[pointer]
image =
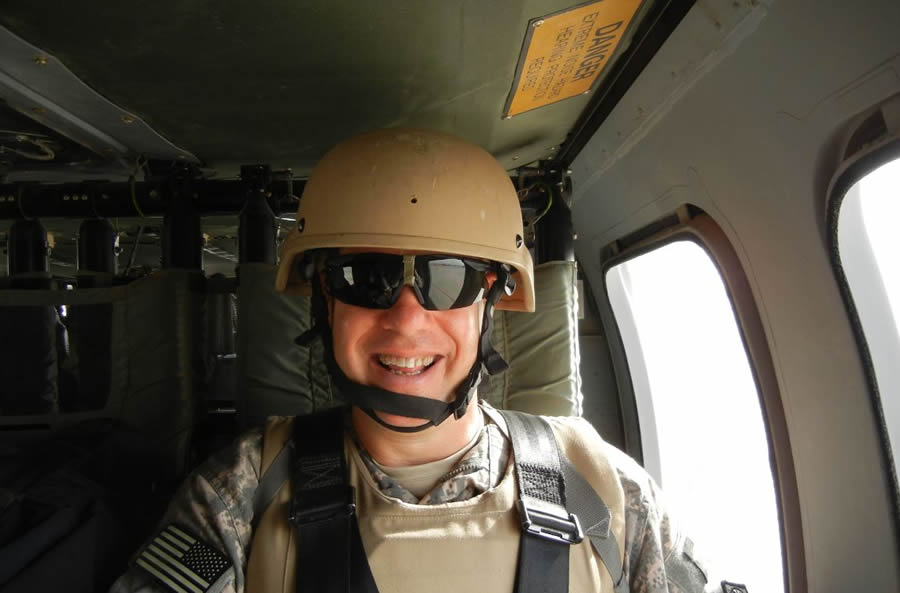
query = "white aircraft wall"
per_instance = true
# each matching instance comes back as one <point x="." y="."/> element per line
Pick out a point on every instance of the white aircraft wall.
<point x="742" y="113"/>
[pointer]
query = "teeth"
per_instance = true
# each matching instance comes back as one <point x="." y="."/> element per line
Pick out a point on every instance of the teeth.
<point x="406" y="373"/>
<point x="406" y="363"/>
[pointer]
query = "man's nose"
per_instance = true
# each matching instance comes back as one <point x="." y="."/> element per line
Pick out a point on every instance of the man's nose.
<point x="406" y="313"/>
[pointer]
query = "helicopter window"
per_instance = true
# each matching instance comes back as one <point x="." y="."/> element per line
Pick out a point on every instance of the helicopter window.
<point x="701" y="425"/>
<point x="868" y="245"/>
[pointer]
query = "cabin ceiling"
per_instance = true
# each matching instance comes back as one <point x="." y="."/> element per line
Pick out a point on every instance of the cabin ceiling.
<point x="95" y="87"/>
<point x="280" y="82"/>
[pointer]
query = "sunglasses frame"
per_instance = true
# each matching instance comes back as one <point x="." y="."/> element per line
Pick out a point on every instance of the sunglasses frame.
<point x="334" y="263"/>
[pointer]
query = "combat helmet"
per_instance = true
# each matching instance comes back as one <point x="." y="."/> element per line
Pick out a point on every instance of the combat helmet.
<point x="417" y="191"/>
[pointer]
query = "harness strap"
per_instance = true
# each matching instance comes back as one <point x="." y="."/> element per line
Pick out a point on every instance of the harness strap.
<point x="584" y="502"/>
<point x="271" y="482"/>
<point x="323" y="512"/>
<point x="548" y="529"/>
<point x="561" y="513"/>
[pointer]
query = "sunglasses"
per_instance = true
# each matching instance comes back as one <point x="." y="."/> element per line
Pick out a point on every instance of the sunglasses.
<point x="375" y="280"/>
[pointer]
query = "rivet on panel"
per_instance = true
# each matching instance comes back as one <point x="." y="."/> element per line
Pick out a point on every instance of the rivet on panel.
<point x="41" y="60"/>
<point x="127" y="119"/>
<point x="538" y="23"/>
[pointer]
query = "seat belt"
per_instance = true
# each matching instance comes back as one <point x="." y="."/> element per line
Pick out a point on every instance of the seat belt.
<point x="555" y="501"/>
<point x="323" y="510"/>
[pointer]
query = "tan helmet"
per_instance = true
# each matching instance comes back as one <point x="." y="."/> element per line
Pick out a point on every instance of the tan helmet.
<point x="416" y="190"/>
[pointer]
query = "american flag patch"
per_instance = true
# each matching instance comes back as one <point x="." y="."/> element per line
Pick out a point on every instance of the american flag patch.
<point x="182" y="562"/>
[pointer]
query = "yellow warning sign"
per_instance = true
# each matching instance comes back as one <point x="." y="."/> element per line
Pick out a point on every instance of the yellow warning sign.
<point x="564" y="53"/>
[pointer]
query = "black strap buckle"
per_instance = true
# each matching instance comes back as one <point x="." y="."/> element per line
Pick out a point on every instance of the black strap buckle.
<point x="556" y="527"/>
<point x="323" y="506"/>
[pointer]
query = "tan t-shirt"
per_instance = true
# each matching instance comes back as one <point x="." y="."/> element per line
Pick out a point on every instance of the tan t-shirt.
<point x="420" y="479"/>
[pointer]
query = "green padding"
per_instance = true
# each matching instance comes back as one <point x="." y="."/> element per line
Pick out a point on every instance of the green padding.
<point x="164" y="329"/>
<point x="274" y="373"/>
<point x="157" y="328"/>
<point x="541" y="348"/>
<point x="275" y="376"/>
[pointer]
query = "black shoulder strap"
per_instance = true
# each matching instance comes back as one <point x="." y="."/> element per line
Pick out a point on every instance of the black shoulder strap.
<point x="555" y="501"/>
<point x="331" y="558"/>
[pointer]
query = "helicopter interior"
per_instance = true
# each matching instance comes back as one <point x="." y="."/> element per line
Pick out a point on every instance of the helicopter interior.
<point x="152" y="157"/>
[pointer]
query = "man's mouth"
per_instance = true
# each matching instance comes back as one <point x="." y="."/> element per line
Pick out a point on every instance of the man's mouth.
<point x="405" y="367"/>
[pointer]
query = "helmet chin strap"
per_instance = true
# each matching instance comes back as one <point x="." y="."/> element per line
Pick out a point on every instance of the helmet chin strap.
<point x="373" y="399"/>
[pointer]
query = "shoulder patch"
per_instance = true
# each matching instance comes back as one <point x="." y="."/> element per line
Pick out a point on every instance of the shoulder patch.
<point x="689" y="552"/>
<point x="183" y="563"/>
<point x="684" y="570"/>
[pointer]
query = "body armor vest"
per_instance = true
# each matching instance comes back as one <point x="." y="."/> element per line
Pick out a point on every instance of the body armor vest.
<point x="469" y="545"/>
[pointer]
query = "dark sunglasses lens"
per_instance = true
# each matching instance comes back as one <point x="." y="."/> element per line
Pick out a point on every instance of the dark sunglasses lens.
<point x="447" y="283"/>
<point x="367" y="281"/>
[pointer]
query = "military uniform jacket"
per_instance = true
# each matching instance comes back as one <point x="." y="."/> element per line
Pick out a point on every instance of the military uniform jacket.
<point x="216" y="504"/>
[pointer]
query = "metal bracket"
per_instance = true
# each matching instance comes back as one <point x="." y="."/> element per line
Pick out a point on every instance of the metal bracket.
<point x="563" y="527"/>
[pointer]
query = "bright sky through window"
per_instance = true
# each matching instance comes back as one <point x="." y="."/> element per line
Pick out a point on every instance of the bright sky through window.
<point x="869" y="245"/>
<point x="880" y="194"/>
<point x="713" y="450"/>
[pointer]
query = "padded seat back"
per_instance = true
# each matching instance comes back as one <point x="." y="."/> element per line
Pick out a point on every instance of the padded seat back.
<point x="83" y="480"/>
<point x="277" y="377"/>
<point x="125" y="358"/>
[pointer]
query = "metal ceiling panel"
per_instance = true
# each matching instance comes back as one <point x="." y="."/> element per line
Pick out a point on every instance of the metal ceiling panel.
<point x="281" y="82"/>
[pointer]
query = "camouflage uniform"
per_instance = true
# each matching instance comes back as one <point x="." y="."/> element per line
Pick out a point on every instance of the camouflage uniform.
<point x="216" y="504"/>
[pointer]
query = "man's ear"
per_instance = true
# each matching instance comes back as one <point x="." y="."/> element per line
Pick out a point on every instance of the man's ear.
<point x="489" y="279"/>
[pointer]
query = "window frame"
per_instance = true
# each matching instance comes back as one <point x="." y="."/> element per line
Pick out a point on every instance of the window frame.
<point x="851" y="170"/>
<point x="706" y="233"/>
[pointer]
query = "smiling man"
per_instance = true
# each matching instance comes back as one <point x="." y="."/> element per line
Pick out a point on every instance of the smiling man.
<point x="406" y="349"/>
<point x="408" y="241"/>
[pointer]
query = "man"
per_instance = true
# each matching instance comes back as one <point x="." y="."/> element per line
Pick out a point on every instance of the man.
<point x="408" y="241"/>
